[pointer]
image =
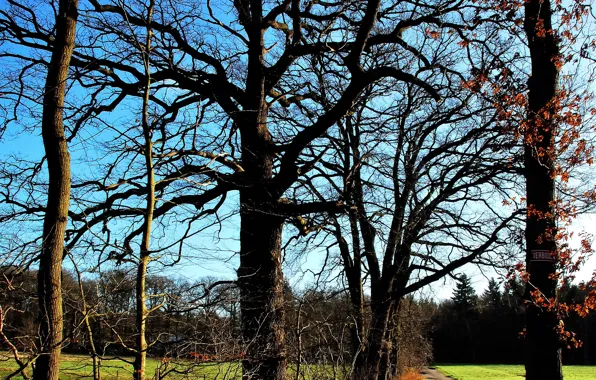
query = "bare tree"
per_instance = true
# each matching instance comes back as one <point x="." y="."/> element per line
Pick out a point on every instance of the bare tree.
<point x="144" y="256"/>
<point x="269" y="157"/>
<point x="47" y="365"/>
<point x="424" y="183"/>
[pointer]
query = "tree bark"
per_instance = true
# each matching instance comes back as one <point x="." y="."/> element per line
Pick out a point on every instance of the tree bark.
<point x="141" y="319"/>
<point x="395" y="349"/>
<point x="260" y="277"/>
<point x="260" y="280"/>
<point x="388" y="360"/>
<point x="357" y="309"/>
<point x="353" y="272"/>
<point x="543" y="352"/>
<point x="141" y="296"/>
<point x="372" y="367"/>
<point x="49" y="287"/>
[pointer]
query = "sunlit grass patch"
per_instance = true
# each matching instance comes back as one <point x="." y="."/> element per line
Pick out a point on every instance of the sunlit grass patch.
<point x="81" y="367"/>
<point x="508" y="372"/>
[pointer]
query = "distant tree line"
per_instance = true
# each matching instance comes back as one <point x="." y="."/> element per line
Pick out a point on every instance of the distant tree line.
<point x="489" y="328"/>
<point x="191" y="325"/>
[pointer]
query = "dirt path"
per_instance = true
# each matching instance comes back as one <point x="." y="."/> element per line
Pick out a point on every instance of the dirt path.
<point x="433" y="374"/>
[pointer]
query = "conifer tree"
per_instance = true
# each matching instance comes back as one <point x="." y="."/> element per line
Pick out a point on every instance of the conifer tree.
<point x="464" y="295"/>
<point x="492" y="295"/>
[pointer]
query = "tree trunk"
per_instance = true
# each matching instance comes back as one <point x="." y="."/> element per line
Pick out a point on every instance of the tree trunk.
<point x="543" y="355"/>
<point x="141" y="320"/>
<point x="376" y="345"/>
<point x="141" y="310"/>
<point x="260" y="276"/>
<point x="388" y="361"/>
<point x="141" y="296"/>
<point x="261" y="298"/>
<point x="357" y="327"/>
<point x="49" y="287"/>
<point x="394" y="355"/>
<point x="386" y="350"/>
<point x="353" y="272"/>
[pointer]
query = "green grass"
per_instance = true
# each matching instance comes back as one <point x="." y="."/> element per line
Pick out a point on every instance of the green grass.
<point x="80" y="367"/>
<point x="508" y="372"/>
<point x="74" y="367"/>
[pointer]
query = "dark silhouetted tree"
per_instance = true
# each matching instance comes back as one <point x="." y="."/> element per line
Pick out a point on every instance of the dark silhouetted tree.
<point x="464" y="296"/>
<point x="543" y="360"/>
<point x="49" y="287"/>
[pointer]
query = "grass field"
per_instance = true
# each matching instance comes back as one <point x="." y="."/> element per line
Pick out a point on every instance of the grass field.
<point x="80" y="367"/>
<point x="508" y="372"/>
<point x="74" y="367"/>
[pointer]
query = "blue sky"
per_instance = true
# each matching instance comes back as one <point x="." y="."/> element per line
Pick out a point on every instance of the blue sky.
<point x="215" y="252"/>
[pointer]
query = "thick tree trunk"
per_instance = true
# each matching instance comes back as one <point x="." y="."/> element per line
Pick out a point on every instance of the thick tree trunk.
<point x="376" y="344"/>
<point x="382" y="344"/>
<point x="543" y="356"/>
<point x="260" y="280"/>
<point x="260" y="276"/>
<point x="47" y="366"/>
<point x="388" y="361"/>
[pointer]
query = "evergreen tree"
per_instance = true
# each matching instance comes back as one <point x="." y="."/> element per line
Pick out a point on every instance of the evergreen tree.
<point x="464" y="295"/>
<point x="492" y="297"/>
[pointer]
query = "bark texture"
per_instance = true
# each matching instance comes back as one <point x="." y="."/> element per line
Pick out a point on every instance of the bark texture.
<point x="374" y="367"/>
<point x="260" y="276"/>
<point x="543" y="356"/>
<point x="144" y="257"/>
<point x="47" y="366"/>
